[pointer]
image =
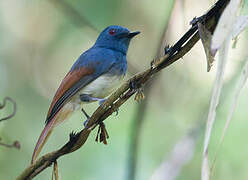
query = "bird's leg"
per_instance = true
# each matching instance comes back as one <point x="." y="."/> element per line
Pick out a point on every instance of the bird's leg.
<point x="87" y="116"/>
<point x="88" y="98"/>
<point x="102" y="132"/>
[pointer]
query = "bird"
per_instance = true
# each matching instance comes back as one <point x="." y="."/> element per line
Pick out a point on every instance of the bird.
<point x="94" y="75"/>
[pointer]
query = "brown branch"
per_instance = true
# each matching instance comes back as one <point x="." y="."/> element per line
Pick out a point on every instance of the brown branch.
<point x="122" y="94"/>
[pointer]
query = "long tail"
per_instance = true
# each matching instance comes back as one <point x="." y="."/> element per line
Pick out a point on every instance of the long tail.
<point x="61" y="116"/>
<point x="42" y="140"/>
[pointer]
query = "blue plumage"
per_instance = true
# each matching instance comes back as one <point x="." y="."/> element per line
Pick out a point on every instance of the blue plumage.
<point x="111" y="47"/>
<point x="92" y="77"/>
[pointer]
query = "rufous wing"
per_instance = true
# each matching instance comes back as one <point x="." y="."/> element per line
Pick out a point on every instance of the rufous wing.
<point x="61" y="111"/>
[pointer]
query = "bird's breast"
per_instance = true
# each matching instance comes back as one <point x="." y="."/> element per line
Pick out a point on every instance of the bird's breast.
<point x="103" y="85"/>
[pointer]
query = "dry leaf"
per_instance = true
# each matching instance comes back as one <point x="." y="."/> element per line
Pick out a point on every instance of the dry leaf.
<point x="206" y="37"/>
<point x="237" y="92"/>
<point x="240" y="24"/>
<point x="205" y="169"/>
<point x="213" y="105"/>
<point x="225" y="25"/>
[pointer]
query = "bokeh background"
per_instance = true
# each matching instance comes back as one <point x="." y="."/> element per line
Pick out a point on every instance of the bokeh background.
<point x="40" y="40"/>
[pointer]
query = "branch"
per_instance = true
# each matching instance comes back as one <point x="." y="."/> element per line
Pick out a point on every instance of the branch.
<point x="122" y="94"/>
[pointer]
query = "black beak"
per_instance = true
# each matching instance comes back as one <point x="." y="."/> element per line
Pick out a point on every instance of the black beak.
<point x="132" y="34"/>
<point x="128" y="35"/>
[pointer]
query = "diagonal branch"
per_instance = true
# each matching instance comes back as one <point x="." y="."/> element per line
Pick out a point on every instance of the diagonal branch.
<point x="122" y="94"/>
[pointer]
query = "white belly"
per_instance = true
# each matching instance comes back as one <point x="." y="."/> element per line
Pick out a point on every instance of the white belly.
<point x="99" y="88"/>
<point x="102" y="86"/>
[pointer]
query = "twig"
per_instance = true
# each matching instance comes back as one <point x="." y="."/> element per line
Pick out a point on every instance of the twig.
<point x="15" y="144"/>
<point x="3" y="105"/>
<point x="122" y="94"/>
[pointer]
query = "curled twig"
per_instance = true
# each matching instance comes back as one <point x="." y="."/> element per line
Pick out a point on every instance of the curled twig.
<point x="4" y="104"/>
<point x="15" y="144"/>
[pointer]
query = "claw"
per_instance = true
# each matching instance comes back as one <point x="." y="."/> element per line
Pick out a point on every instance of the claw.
<point x="117" y="112"/>
<point x="139" y="96"/>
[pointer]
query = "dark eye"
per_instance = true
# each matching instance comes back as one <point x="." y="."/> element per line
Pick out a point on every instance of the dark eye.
<point x="112" y="32"/>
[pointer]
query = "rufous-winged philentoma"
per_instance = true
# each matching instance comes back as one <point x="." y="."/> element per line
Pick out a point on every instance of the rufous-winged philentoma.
<point x="95" y="74"/>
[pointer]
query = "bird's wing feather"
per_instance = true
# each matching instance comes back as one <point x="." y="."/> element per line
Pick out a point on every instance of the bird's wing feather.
<point x="65" y="88"/>
<point x="79" y="76"/>
<point x="76" y="79"/>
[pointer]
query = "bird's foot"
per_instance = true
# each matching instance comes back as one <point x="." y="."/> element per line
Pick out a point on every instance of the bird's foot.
<point x="139" y="96"/>
<point x="73" y="136"/>
<point x="101" y="101"/>
<point x="200" y="19"/>
<point x="86" y="122"/>
<point x="117" y="112"/>
<point x="102" y="134"/>
<point x="138" y="88"/>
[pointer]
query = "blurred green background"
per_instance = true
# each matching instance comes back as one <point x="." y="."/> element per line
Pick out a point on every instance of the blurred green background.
<point x="40" y="40"/>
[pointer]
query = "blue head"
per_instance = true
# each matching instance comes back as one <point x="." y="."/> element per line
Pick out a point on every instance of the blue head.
<point x="116" y="38"/>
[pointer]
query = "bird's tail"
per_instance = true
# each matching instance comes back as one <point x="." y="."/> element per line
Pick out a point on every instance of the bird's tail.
<point x="42" y="140"/>
<point x="61" y="116"/>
